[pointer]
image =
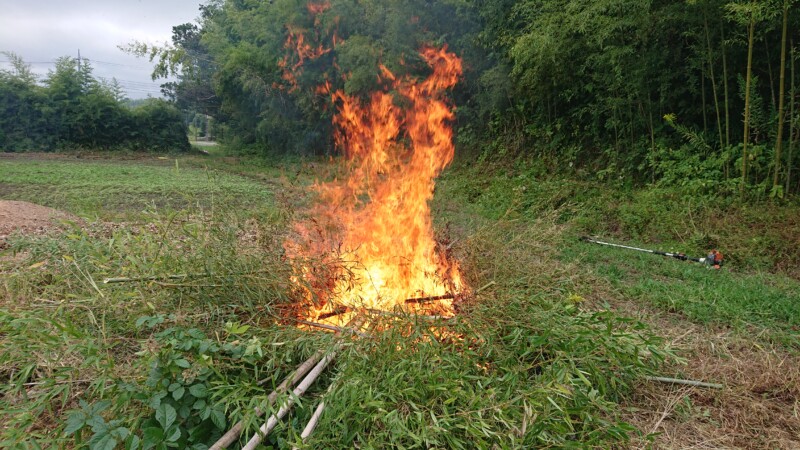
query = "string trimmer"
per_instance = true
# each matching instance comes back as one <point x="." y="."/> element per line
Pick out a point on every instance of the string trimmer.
<point x="714" y="258"/>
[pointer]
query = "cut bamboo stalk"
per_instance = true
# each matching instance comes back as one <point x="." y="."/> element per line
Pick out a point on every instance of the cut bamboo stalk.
<point x="297" y="393"/>
<point x="332" y="328"/>
<point x="486" y="286"/>
<point x="686" y="382"/>
<point x="153" y="278"/>
<point x="298" y="374"/>
<point x="179" y="276"/>
<point x="430" y="299"/>
<point x="312" y="423"/>
<point x="338" y="311"/>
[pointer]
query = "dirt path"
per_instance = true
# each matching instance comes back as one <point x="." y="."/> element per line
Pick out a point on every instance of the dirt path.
<point x="28" y="218"/>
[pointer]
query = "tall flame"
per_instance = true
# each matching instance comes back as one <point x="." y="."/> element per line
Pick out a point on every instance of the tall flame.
<point x="369" y="242"/>
<point x="377" y="219"/>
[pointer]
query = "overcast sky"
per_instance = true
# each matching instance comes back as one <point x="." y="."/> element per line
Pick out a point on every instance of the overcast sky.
<point x="40" y="31"/>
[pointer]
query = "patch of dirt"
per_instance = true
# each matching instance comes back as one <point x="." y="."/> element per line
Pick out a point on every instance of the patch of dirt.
<point x="29" y="218"/>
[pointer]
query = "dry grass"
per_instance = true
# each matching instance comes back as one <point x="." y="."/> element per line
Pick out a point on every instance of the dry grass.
<point x="758" y="408"/>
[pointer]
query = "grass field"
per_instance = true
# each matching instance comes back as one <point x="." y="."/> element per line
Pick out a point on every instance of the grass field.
<point x="555" y="353"/>
<point x="112" y="190"/>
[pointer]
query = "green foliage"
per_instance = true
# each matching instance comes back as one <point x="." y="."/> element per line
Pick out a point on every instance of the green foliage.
<point x="173" y="364"/>
<point x="73" y="109"/>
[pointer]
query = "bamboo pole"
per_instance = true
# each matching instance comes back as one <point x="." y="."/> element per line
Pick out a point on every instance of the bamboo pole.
<point x="686" y="382"/>
<point x="312" y="423"/>
<point x="298" y="374"/>
<point x="297" y="393"/>
<point x="792" y="120"/>
<point x="302" y="372"/>
<point x="713" y="80"/>
<point x="748" y="81"/>
<point x="781" y="92"/>
<point x="430" y="299"/>
<point x="332" y="328"/>
<point x="180" y="276"/>
<point x="153" y="278"/>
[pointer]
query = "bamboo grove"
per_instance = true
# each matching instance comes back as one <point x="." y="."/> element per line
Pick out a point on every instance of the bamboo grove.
<point x="71" y="108"/>
<point x="701" y="94"/>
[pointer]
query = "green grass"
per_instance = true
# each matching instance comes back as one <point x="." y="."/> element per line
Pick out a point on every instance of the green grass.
<point x="757" y="293"/>
<point x="90" y="365"/>
<point x="112" y="190"/>
<point x="525" y="365"/>
<point x="762" y="305"/>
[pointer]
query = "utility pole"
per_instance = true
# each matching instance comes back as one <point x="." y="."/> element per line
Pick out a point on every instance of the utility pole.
<point x="79" y="59"/>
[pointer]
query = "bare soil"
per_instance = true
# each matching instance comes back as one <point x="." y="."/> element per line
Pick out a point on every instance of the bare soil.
<point x="29" y="218"/>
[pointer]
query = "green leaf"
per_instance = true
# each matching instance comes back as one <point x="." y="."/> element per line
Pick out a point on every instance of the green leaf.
<point x="132" y="443"/>
<point x="182" y="363"/>
<point x="218" y="417"/>
<point x="173" y="434"/>
<point x="198" y="390"/>
<point x="106" y="442"/>
<point x="166" y="415"/>
<point x="152" y="437"/>
<point x="177" y="394"/>
<point x="75" y="421"/>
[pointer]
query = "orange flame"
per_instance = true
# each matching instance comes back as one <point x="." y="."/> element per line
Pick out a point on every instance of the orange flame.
<point x="376" y="221"/>
<point x="297" y="45"/>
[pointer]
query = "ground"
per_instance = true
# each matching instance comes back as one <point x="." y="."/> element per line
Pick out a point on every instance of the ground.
<point x="28" y="218"/>
<point x="564" y="324"/>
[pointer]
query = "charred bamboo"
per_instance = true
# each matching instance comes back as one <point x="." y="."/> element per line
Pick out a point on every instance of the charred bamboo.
<point x="431" y="299"/>
<point x="338" y="311"/>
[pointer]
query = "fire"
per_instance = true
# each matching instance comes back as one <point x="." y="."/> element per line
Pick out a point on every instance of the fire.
<point x="369" y="240"/>
<point x="297" y="46"/>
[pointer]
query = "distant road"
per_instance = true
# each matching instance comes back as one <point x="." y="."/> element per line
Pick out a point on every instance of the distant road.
<point x="203" y="143"/>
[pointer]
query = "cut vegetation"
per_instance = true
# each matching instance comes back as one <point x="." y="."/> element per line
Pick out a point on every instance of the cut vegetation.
<point x="555" y="351"/>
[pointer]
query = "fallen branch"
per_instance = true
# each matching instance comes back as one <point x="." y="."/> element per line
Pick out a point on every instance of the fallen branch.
<point x="431" y="299"/>
<point x="298" y="391"/>
<point x="686" y="382"/>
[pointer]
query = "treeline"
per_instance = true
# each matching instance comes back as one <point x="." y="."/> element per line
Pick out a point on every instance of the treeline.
<point x="701" y="94"/>
<point x="72" y="109"/>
